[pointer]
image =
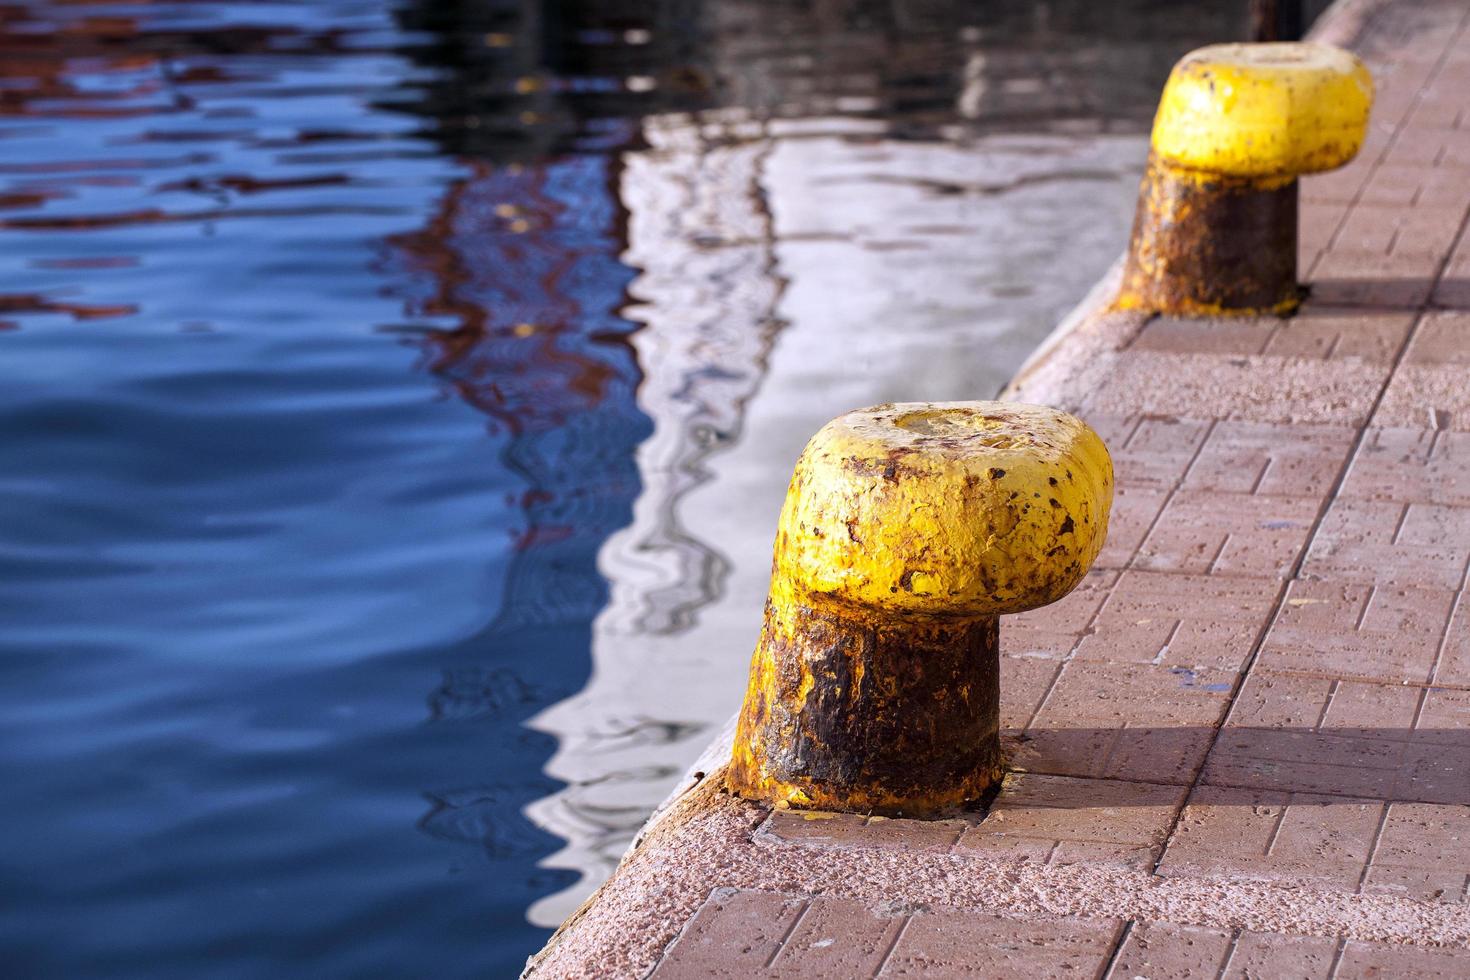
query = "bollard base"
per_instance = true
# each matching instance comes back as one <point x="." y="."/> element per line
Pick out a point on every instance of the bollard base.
<point x="1208" y="245"/>
<point x="898" y="719"/>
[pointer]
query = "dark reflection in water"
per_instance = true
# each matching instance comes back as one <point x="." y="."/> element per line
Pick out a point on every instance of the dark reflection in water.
<point x="341" y="344"/>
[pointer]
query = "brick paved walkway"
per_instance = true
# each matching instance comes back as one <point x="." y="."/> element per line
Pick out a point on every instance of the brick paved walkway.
<point x="1242" y="746"/>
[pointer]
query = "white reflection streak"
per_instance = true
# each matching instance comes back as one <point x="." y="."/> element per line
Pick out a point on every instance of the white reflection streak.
<point x="699" y="230"/>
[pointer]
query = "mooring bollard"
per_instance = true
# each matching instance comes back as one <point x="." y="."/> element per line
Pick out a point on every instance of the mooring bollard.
<point x="907" y="531"/>
<point x="1216" y="226"/>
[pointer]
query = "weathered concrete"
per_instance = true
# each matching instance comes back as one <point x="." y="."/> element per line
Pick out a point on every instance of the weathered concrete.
<point x="1242" y="746"/>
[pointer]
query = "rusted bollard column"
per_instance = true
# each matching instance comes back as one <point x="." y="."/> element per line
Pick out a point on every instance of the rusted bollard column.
<point x="907" y="530"/>
<point x="1216" y="226"/>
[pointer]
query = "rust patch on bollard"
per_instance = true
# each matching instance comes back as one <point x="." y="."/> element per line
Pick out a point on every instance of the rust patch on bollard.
<point x="900" y="719"/>
<point x="1207" y="244"/>
<point x="907" y="531"/>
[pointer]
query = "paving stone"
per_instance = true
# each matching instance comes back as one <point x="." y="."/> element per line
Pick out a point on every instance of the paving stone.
<point x="1165" y="951"/>
<point x="1372" y="961"/>
<point x="955" y="944"/>
<point x="1053" y="631"/>
<point x="1125" y="721"/>
<point x="1206" y="532"/>
<point x="734" y="934"/>
<point x="1183" y="335"/>
<point x="1372" y="279"/>
<point x="837" y="938"/>
<point x="1382" y="542"/>
<point x="1411" y="465"/>
<point x="1152" y="451"/>
<point x="1263" y="955"/>
<point x="1063" y="820"/>
<point x="823" y="829"/>
<point x="1025" y="680"/>
<point x="1314" y="334"/>
<point x="1423" y="852"/>
<point x="1427" y="232"/>
<point x="1416" y="185"/>
<point x="1454" y="658"/>
<point x="1179" y="620"/>
<point x="1379" y="632"/>
<point x="1325" y="333"/>
<point x="1290" y="733"/>
<point x="1336" y="186"/>
<point x="1134" y="511"/>
<point x="1233" y="832"/>
<point x="1442" y="337"/>
<point x="1271" y="458"/>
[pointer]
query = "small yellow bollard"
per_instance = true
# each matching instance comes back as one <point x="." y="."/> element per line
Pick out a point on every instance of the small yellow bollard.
<point x="1216" y="226"/>
<point x="907" y="531"/>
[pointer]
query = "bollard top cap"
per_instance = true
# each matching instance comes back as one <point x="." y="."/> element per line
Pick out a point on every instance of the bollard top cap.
<point x="945" y="509"/>
<point x="1264" y="110"/>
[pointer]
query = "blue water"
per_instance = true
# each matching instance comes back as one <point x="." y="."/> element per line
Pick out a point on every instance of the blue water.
<point x="316" y="406"/>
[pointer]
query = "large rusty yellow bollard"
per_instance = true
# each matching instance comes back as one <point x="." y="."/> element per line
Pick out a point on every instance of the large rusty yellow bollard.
<point x="1216" y="226"/>
<point x="907" y="530"/>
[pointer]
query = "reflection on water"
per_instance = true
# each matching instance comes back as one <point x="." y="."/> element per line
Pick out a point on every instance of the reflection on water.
<point x="397" y="398"/>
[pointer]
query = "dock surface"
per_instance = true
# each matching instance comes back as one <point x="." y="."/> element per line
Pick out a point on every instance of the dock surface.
<point x="1241" y="748"/>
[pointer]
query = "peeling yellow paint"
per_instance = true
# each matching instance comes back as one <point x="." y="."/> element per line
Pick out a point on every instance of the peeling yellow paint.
<point x="1264" y="110"/>
<point x="963" y="509"/>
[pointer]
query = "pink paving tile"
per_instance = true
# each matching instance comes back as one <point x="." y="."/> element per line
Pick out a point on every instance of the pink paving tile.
<point x="1053" y="631"/>
<point x="1373" y="961"/>
<point x="733" y="934"/>
<point x="1179" y="620"/>
<point x="822" y="829"/>
<point x="1336" y="186"/>
<point x="1260" y="955"/>
<point x="1452" y="291"/>
<point x="1454" y="658"/>
<point x="764" y="934"/>
<point x="1064" y="820"/>
<point x="1134" y="511"/>
<point x="1165" y="951"/>
<point x="1411" y="466"/>
<point x="1342" y="278"/>
<point x="1417" y="185"/>
<point x="1292" y="733"/>
<point x="1382" y="542"/>
<point x="837" y="938"/>
<point x="1398" y="230"/>
<point x="1259" y="834"/>
<point x="1271" y="458"/>
<point x="1246" y="335"/>
<point x="1125" y="721"/>
<point x="1320" y="332"/>
<point x="1024" y="682"/>
<point x="1345" y="630"/>
<point x="1423" y="853"/>
<point x="1157" y="451"/>
<point x="958" y="944"/>
<point x="1316" y="333"/>
<point x="1443" y="337"/>
<point x="1205" y="532"/>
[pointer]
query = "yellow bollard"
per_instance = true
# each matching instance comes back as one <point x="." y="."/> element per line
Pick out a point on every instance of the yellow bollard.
<point x="1216" y="226"/>
<point x="907" y="530"/>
